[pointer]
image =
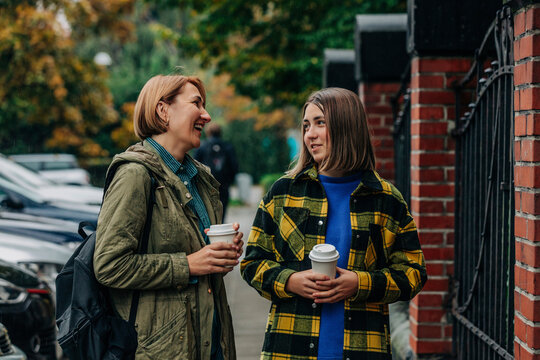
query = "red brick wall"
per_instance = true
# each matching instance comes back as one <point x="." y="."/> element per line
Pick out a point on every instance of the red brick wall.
<point x="376" y="98"/>
<point x="432" y="196"/>
<point x="527" y="182"/>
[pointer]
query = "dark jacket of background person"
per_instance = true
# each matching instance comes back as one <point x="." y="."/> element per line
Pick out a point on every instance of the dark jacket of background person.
<point x="220" y="157"/>
<point x="385" y="254"/>
<point x="174" y="317"/>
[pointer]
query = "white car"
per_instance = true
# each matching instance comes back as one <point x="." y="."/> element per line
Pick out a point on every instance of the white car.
<point x="49" y="191"/>
<point x="44" y="258"/>
<point x="59" y="168"/>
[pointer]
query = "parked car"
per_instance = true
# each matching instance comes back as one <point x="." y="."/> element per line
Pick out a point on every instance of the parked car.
<point x="44" y="258"/>
<point x="48" y="190"/>
<point x="17" y="199"/>
<point x="27" y="311"/>
<point x="60" y="232"/>
<point x="8" y="351"/>
<point x="60" y="168"/>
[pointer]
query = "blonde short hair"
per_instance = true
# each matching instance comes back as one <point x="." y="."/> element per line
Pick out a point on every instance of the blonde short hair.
<point x="146" y="121"/>
<point x="350" y="142"/>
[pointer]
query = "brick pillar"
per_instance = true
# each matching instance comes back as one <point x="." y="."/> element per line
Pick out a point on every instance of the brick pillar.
<point x="527" y="182"/>
<point x="378" y="70"/>
<point x="432" y="196"/>
<point x="376" y="99"/>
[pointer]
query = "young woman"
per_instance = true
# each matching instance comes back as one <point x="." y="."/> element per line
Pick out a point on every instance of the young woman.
<point x="183" y="311"/>
<point x="333" y="195"/>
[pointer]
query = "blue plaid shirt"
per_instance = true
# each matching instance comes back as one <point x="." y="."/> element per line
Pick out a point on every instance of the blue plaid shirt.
<point x="186" y="172"/>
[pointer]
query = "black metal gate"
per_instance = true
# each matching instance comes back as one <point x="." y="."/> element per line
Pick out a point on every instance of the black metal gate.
<point x="483" y="296"/>
<point x="401" y="107"/>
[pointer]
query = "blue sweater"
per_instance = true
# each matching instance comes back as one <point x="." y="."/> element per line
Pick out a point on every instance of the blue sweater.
<point x="338" y="233"/>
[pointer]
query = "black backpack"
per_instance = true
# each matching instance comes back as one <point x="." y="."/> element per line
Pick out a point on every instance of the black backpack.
<point x="88" y="326"/>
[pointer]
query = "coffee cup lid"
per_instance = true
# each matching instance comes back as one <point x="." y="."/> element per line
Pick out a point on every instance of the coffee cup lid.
<point x="324" y="253"/>
<point x="221" y="229"/>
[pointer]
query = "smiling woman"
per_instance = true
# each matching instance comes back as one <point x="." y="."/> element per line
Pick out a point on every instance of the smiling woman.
<point x="182" y="310"/>
<point x="185" y="117"/>
<point x="334" y="196"/>
<point x="316" y="134"/>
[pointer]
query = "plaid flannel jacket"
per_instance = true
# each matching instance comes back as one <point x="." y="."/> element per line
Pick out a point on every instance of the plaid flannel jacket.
<point x="385" y="254"/>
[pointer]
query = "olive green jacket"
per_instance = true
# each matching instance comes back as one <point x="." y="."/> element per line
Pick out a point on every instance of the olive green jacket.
<point x="174" y="317"/>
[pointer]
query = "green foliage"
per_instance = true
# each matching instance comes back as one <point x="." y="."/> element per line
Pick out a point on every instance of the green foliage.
<point x="152" y="50"/>
<point x="97" y="168"/>
<point x="273" y="49"/>
<point x="269" y="179"/>
<point x="50" y="98"/>
<point x="259" y="152"/>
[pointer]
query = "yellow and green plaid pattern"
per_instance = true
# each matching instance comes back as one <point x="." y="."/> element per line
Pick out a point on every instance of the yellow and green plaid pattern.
<point x="385" y="253"/>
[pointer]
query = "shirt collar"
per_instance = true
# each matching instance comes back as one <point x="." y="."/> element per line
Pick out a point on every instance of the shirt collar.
<point x="186" y="168"/>
<point x="370" y="178"/>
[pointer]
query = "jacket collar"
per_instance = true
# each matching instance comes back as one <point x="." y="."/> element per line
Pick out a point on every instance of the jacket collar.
<point x="203" y="171"/>
<point x="309" y="172"/>
<point x="371" y="181"/>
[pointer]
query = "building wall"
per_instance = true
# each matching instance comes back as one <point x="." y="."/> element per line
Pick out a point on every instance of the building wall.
<point x="432" y="184"/>
<point x="432" y="196"/>
<point x="376" y="99"/>
<point x="527" y="182"/>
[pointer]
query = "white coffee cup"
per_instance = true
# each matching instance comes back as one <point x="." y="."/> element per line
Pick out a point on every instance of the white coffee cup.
<point x="221" y="233"/>
<point x="324" y="259"/>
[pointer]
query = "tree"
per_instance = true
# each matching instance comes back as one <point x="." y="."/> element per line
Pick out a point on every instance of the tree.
<point x="50" y="97"/>
<point x="262" y="152"/>
<point x="273" y="49"/>
<point x="151" y="50"/>
<point x="258" y="137"/>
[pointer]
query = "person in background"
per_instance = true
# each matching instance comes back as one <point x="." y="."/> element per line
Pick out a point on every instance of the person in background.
<point x="220" y="157"/>
<point x="183" y="311"/>
<point x="333" y="195"/>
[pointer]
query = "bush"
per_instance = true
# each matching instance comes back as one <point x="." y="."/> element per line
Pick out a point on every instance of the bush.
<point x="259" y="152"/>
<point x="269" y="179"/>
<point x="97" y="167"/>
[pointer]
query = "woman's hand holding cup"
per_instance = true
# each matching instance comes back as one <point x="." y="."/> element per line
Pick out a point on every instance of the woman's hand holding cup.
<point x="237" y="240"/>
<point x="219" y="257"/>
<point x="222" y="254"/>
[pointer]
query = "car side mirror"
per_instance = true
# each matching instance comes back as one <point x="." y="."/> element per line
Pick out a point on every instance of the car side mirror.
<point x="12" y="203"/>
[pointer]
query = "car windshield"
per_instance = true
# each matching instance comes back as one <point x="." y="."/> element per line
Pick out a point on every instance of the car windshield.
<point x="18" y="174"/>
<point x="28" y="193"/>
<point x="59" y="165"/>
<point x="32" y="165"/>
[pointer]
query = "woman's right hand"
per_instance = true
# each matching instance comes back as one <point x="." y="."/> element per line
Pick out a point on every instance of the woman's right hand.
<point x="303" y="283"/>
<point x="213" y="258"/>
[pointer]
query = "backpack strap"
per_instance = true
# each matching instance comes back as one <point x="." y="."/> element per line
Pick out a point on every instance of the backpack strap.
<point x="110" y="175"/>
<point x="143" y="248"/>
<point x="144" y="245"/>
<point x="108" y="179"/>
<point x="82" y="226"/>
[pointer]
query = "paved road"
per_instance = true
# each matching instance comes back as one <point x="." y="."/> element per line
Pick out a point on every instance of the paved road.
<point x="249" y="309"/>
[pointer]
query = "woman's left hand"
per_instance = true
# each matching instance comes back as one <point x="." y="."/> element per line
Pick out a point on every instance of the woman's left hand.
<point x="237" y="240"/>
<point x="332" y="291"/>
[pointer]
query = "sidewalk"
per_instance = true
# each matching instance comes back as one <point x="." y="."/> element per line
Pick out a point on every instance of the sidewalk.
<point x="249" y="309"/>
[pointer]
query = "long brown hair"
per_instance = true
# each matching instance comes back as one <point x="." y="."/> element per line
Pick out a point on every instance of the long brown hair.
<point x="350" y="142"/>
